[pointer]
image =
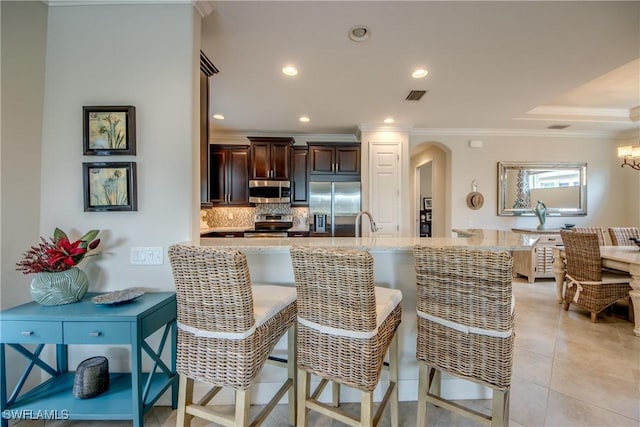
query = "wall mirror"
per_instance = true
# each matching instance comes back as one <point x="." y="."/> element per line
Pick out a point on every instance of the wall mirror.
<point x="561" y="186"/>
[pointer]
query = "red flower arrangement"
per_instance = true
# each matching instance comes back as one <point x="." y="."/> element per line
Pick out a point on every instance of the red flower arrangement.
<point x="57" y="254"/>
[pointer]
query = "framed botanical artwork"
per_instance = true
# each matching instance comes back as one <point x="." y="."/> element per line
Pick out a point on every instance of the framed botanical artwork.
<point x="109" y="130"/>
<point x="427" y="203"/>
<point x="110" y="186"/>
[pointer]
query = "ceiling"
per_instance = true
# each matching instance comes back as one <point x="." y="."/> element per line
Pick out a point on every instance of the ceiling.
<point x="504" y="65"/>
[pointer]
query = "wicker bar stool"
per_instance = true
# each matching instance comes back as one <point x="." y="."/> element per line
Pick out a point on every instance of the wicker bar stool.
<point x="465" y="311"/>
<point x="588" y="285"/>
<point x="345" y="326"/>
<point x="599" y="231"/>
<point x="620" y="235"/>
<point x="226" y="332"/>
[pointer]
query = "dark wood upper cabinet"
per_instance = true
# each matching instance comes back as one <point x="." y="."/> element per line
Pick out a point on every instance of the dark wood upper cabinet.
<point x="300" y="176"/>
<point x="337" y="159"/>
<point x="229" y="175"/>
<point x="270" y="158"/>
<point x="207" y="69"/>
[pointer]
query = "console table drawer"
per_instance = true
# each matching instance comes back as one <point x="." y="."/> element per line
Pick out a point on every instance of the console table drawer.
<point x="549" y="240"/>
<point x="97" y="333"/>
<point x="24" y="332"/>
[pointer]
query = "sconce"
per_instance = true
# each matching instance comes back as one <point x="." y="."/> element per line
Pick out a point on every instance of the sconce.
<point x="630" y="156"/>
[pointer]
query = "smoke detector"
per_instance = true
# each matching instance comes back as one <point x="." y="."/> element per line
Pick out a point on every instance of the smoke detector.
<point x="359" y="33"/>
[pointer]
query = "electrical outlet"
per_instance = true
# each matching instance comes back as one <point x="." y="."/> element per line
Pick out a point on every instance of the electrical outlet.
<point x="150" y="255"/>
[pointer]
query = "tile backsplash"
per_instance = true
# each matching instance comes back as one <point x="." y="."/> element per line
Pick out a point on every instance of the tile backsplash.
<point x="245" y="216"/>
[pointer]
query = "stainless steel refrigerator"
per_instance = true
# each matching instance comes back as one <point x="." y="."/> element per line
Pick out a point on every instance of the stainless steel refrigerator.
<point x="333" y="207"/>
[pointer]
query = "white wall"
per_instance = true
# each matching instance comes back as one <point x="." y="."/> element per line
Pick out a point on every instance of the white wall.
<point x="24" y="27"/>
<point x="99" y="55"/>
<point x="607" y="197"/>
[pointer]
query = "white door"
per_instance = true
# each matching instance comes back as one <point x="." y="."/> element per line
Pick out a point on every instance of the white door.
<point x="384" y="191"/>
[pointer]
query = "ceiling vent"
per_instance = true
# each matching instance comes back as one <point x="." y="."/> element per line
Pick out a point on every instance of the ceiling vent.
<point x="558" y="127"/>
<point x="415" y="95"/>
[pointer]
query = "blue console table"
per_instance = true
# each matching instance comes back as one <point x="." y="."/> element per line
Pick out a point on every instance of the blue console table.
<point x="130" y="395"/>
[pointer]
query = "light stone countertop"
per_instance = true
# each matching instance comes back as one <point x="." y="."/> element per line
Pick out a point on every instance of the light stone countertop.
<point x="493" y="240"/>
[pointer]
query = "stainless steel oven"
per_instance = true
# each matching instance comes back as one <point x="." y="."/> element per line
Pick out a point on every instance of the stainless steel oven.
<point x="270" y="225"/>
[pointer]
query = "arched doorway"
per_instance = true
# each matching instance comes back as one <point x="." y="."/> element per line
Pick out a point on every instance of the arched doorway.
<point x="431" y="180"/>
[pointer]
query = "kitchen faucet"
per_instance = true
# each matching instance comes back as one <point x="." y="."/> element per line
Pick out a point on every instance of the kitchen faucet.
<point x="374" y="227"/>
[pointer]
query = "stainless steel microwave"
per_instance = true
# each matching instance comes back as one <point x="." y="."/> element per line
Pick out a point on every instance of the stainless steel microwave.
<point x="269" y="191"/>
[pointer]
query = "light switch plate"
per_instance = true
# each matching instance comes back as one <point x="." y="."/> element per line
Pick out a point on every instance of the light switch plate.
<point x="146" y="255"/>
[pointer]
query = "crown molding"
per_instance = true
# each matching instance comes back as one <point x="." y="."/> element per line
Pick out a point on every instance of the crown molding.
<point x="203" y="7"/>
<point x="512" y="132"/>
<point x="300" y="138"/>
<point x="582" y="114"/>
<point x="368" y="127"/>
<point x="115" y="2"/>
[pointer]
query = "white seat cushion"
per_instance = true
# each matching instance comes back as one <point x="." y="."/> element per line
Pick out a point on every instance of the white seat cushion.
<point x="386" y="301"/>
<point x="268" y="300"/>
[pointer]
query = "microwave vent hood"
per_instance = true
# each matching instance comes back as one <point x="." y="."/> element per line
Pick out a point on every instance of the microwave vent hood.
<point x="267" y="191"/>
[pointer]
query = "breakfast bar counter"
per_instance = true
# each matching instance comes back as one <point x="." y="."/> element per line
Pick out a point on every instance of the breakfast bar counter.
<point x="269" y="263"/>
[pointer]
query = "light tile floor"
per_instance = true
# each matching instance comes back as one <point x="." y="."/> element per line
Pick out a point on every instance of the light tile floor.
<point x="567" y="372"/>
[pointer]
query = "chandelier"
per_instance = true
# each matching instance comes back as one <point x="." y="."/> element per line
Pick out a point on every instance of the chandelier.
<point x="630" y="156"/>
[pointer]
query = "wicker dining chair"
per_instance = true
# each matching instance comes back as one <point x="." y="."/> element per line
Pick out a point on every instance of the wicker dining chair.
<point x="599" y="231"/>
<point x="345" y="326"/>
<point x="588" y="285"/>
<point x="227" y="329"/>
<point x="465" y="314"/>
<point x="620" y="235"/>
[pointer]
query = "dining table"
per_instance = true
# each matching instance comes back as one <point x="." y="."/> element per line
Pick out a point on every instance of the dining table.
<point x="623" y="258"/>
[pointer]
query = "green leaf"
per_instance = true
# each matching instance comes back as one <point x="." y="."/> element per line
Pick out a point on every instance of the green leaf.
<point x="91" y="234"/>
<point x="59" y="234"/>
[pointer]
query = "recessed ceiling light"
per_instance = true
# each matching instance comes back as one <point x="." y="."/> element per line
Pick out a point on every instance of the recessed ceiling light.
<point x="389" y="120"/>
<point x="218" y="116"/>
<point x="419" y="73"/>
<point x="359" y="33"/>
<point x="304" y="119"/>
<point x="290" y="70"/>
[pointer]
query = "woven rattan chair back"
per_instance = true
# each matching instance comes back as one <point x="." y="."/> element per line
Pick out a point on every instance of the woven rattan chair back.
<point x="335" y="287"/>
<point x="465" y="326"/>
<point x="471" y="288"/>
<point x="213" y="288"/>
<point x="219" y="341"/>
<point x="339" y="337"/>
<point x="620" y="235"/>
<point x="599" y="231"/>
<point x="582" y="255"/>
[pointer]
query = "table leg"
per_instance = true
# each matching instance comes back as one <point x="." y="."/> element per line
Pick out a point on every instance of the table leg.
<point x="136" y="379"/>
<point x="634" y="294"/>
<point x="3" y="387"/>
<point x="558" y="272"/>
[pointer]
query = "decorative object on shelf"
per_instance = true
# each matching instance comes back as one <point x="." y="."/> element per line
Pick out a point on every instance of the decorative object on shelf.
<point x="58" y="280"/>
<point x="541" y="212"/>
<point x="118" y="297"/>
<point x="427" y="203"/>
<point x="110" y="186"/>
<point x="109" y="130"/>
<point x="91" y="378"/>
